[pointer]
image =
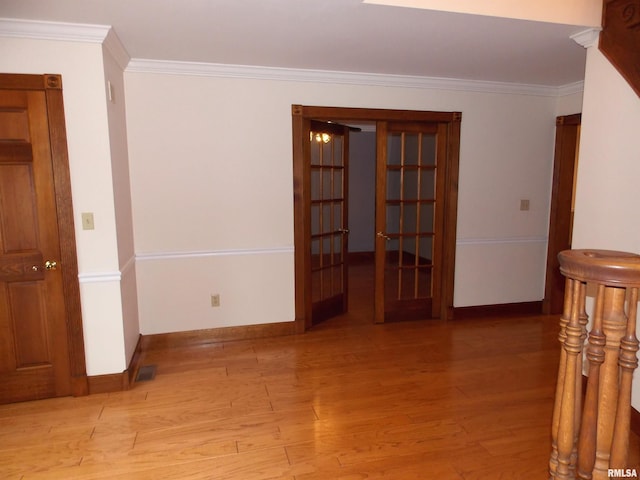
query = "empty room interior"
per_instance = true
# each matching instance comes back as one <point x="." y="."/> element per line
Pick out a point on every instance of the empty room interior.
<point x="319" y="240"/>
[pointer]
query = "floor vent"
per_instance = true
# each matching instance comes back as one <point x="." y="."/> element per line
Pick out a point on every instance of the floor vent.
<point x="146" y="373"/>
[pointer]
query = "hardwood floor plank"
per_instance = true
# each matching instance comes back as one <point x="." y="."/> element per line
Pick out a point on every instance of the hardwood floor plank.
<point x="464" y="400"/>
<point x="404" y="467"/>
<point x="262" y="465"/>
<point x="300" y="433"/>
<point x="18" y="439"/>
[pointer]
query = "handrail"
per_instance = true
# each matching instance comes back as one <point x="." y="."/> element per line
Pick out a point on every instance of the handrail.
<point x="620" y="38"/>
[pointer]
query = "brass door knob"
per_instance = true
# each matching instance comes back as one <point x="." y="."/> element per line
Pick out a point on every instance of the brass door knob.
<point x="51" y="265"/>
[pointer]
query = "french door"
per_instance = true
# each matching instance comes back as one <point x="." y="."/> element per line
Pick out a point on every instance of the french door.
<point x="328" y="159"/>
<point x="416" y="211"/>
<point x="410" y="198"/>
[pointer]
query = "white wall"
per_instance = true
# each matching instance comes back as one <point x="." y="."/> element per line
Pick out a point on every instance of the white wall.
<point x="362" y="190"/>
<point x="82" y="68"/>
<point x="212" y="192"/>
<point x="506" y="156"/>
<point x="607" y="194"/>
<point x="571" y="12"/>
<point x="569" y="104"/>
<point x="115" y="61"/>
<point x="212" y="188"/>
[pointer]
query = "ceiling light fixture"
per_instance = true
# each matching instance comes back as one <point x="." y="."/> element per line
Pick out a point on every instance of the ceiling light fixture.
<point x="319" y="137"/>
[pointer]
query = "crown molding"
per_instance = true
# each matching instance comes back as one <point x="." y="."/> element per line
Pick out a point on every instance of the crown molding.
<point x="139" y="65"/>
<point x="117" y="50"/>
<point x="104" y="34"/>
<point x="571" y="88"/>
<point x="587" y="38"/>
<point x="74" y="32"/>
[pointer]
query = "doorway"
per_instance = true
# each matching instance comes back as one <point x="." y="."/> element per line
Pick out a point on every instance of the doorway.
<point x="415" y="214"/>
<point x="565" y="165"/>
<point x="41" y="340"/>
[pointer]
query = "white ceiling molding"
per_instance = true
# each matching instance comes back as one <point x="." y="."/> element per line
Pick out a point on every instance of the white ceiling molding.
<point x="138" y="65"/>
<point x="570" y="89"/>
<point x="113" y="44"/>
<point x="73" y="32"/>
<point x="104" y="34"/>
<point x="587" y="38"/>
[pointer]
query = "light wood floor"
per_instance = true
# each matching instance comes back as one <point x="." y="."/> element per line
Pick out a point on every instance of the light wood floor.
<point x="348" y="400"/>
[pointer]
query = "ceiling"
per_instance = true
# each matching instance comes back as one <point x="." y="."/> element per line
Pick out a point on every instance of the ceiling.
<point x="334" y="35"/>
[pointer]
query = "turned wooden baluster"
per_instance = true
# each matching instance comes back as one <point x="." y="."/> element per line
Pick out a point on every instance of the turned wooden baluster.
<point x="613" y="324"/>
<point x="567" y="421"/>
<point x="562" y="367"/>
<point x="628" y="363"/>
<point x="584" y="320"/>
<point x="602" y="438"/>
<point x="595" y="356"/>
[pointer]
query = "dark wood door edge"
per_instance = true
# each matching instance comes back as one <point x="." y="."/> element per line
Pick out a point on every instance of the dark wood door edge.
<point x="497" y="310"/>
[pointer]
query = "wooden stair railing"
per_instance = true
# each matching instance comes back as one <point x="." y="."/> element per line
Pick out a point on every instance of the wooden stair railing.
<point x="588" y="441"/>
<point x="620" y="38"/>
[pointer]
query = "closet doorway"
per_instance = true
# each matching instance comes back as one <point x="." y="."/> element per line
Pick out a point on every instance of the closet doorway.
<point x="565" y="167"/>
<point x="416" y="179"/>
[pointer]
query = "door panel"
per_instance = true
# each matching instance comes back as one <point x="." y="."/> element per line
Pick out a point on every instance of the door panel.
<point x="34" y="362"/>
<point x="409" y="215"/>
<point x="561" y="215"/>
<point x="328" y="172"/>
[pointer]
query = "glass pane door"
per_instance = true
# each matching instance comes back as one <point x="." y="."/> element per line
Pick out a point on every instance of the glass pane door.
<point x="409" y="214"/>
<point x="329" y="147"/>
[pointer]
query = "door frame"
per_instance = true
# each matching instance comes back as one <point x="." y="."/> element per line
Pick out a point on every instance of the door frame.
<point x="301" y="120"/>
<point x="52" y="87"/>
<point x="561" y="216"/>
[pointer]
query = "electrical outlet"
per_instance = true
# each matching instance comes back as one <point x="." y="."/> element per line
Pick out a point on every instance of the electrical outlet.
<point x="87" y="221"/>
<point x="215" y="300"/>
<point x="524" y="205"/>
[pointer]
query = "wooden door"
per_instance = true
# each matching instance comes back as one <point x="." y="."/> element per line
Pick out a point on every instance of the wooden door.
<point x="410" y="194"/>
<point x="35" y="351"/>
<point x="562" y="202"/>
<point x="328" y="160"/>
